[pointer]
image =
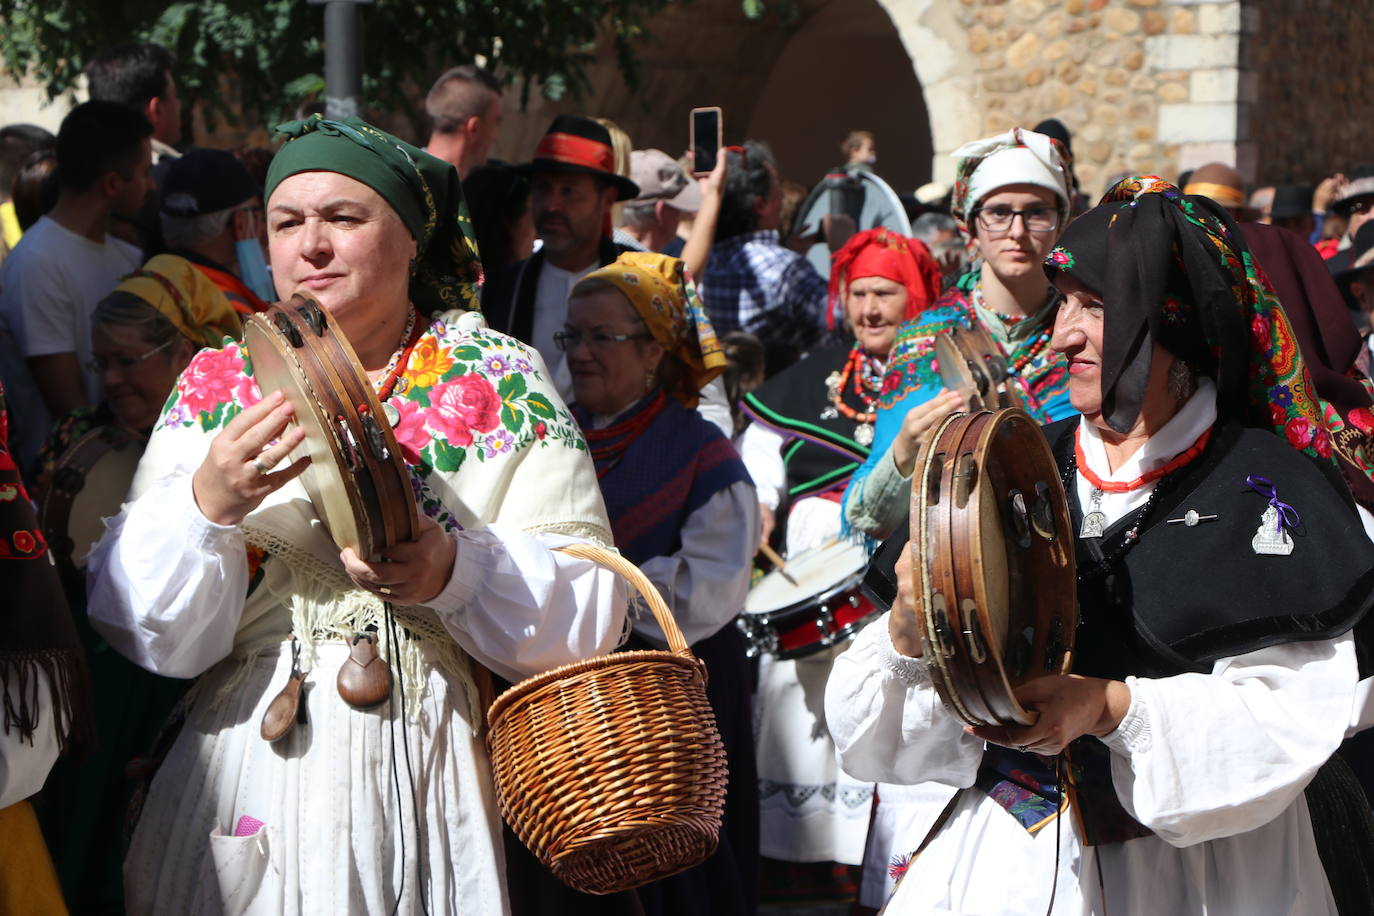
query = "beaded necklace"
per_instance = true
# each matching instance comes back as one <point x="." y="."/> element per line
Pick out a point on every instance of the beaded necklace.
<point x="867" y="375"/>
<point x="390" y="380"/>
<point x="609" y="443"/>
<point x="1095" y="520"/>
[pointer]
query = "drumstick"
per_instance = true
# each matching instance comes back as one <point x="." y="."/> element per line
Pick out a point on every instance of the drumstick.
<point x="777" y="561"/>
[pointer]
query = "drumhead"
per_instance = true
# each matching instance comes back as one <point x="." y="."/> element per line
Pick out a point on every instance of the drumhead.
<point x="818" y="572"/>
<point x="99" y="467"/>
<point x="337" y="504"/>
<point x="954" y="370"/>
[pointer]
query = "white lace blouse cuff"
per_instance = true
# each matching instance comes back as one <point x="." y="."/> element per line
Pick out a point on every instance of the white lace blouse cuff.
<point x="913" y="672"/>
<point x="1132" y="735"/>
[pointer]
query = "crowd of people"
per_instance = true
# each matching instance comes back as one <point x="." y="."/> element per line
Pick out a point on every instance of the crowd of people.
<point x="597" y="344"/>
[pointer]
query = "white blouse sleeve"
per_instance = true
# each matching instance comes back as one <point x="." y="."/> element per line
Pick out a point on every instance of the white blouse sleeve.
<point x="24" y="765"/>
<point x="888" y="723"/>
<point x="520" y="607"/>
<point x="706" y="581"/>
<point x="167" y="589"/>
<point x="1202" y="756"/>
<point x="165" y="585"/>
<point x="760" y="448"/>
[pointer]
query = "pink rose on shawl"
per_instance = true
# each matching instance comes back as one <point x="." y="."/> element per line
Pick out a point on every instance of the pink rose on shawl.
<point x="211" y="379"/>
<point x="467" y="403"/>
<point x="247" y="393"/>
<point x="1362" y="420"/>
<point x="411" y="434"/>
<point x="1259" y="329"/>
<point x="1299" y="431"/>
<point x="1321" y="441"/>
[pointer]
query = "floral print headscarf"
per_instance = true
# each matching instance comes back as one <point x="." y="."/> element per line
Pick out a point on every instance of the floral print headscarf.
<point x="1175" y="269"/>
<point x="662" y="292"/>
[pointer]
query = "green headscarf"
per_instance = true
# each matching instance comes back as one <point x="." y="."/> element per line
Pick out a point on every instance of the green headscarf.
<point x="422" y="189"/>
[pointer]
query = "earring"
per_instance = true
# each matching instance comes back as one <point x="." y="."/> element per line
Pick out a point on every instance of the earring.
<point x="1182" y="380"/>
<point x="650" y="379"/>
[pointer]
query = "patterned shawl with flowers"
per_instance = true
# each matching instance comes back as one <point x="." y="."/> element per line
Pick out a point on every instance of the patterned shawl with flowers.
<point x="661" y="290"/>
<point x="1176" y="270"/>
<point x="486" y="438"/>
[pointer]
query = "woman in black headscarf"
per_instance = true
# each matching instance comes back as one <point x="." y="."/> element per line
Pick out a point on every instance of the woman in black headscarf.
<point x="1221" y="569"/>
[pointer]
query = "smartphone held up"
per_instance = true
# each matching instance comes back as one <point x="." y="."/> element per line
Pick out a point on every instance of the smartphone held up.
<point x="706" y="132"/>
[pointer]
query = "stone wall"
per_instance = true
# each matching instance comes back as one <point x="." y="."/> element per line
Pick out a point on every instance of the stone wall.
<point x="1143" y="85"/>
<point x="1312" y="85"/>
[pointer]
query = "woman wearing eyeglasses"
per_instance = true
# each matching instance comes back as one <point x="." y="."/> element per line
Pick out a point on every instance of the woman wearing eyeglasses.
<point x="143" y="334"/>
<point x="683" y="509"/>
<point x="1011" y="200"/>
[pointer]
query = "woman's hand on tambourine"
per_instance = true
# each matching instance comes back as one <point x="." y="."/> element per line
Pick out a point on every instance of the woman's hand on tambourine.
<point x="918" y="421"/>
<point x="1068" y="706"/>
<point x="236" y="476"/>
<point x="412" y="572"/>
<point x="902" y="623"/>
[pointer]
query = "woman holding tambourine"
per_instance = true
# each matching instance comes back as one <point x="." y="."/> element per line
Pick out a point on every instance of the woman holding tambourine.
<point x="220" y="566"/>
<point x="1221" y="566"/>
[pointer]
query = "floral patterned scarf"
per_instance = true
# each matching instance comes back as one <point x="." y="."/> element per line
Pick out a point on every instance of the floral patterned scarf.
<point x="1176" y="270"/>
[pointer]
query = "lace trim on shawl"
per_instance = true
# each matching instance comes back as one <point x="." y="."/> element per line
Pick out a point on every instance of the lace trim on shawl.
<point x="327" y="606"/>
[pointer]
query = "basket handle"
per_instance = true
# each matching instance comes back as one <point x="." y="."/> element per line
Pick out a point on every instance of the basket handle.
<point x="613" y="561"/>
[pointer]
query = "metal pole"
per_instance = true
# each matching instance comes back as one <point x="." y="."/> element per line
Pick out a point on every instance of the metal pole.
<point x="343" y="58"/>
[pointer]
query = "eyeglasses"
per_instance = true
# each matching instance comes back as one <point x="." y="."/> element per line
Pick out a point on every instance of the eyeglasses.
<point x="567" y="341"/>
<point x="1036" y="219"/>
<point x="99" y="364"/>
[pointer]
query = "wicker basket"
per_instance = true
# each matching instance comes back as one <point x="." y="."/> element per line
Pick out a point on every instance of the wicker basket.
<point x="611" y="770"/>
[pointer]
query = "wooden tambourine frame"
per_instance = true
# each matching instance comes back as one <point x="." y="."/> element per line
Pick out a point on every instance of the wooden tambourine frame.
<point x="993" y="566"/>
<point x="971" y="363"/>
<point x="357" y="479"/>
<point x="77" y="500"/>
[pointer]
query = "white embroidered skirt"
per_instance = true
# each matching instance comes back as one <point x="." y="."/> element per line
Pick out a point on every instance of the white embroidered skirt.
<point x="338" y="836"/>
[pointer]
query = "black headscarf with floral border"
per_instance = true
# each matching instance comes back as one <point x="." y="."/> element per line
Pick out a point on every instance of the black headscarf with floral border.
<point x="423" y="190"/>
<point x="1176" y="270"/>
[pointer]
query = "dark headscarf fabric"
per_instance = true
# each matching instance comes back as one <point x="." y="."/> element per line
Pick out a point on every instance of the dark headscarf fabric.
<point x="422" y="189"/>
<point x="1176" y="270"/>
<point x="1327" y="340"/>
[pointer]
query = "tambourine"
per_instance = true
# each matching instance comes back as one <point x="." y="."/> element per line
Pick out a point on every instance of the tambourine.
<point x="88" y="485"/>
<point x="994" y="563"/>
<point x="971" y="363"/>
<point x="357" y="479"/>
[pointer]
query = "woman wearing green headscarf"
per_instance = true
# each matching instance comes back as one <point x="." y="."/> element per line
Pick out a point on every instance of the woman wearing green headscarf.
<point x="220" y="567"/>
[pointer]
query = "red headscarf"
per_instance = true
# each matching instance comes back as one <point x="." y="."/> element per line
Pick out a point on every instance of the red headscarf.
<point x="882" y="253"/>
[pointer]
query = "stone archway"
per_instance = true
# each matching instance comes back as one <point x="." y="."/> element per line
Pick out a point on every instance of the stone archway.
<point x="845" y="68"/>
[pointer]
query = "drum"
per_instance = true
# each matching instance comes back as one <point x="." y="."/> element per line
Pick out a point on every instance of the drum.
<point x="822" y="607"/>
<point x="971" y="363"/>
<point x="357" y="479"/>
<point x="994" y="563"/>
<point x="88" y="485"/>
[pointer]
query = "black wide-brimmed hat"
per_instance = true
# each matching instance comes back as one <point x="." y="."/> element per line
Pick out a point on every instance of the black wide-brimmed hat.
<point x="1291" y="201"/>
<point x="577" y="144"/>
<point x="1361" y="258"/>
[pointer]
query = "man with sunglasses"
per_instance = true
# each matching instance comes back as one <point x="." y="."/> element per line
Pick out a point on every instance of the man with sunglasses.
<point x="1356" y="204"/>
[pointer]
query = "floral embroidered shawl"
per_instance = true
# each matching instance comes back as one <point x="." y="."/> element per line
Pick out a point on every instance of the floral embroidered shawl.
<point x="484" y="433"/>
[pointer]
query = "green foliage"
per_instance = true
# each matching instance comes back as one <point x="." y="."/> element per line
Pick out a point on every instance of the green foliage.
<point x="267" y="56"/>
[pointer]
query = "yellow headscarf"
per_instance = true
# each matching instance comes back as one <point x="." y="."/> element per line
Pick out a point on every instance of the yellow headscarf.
<point x="187" y="297"/>
<point x="661" y="290"/>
